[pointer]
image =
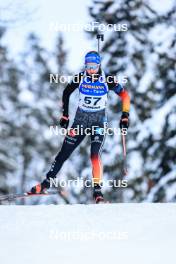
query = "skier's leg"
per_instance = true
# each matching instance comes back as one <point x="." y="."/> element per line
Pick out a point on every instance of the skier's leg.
<point x="97" y="141"/>
<point x="71" y="141"/>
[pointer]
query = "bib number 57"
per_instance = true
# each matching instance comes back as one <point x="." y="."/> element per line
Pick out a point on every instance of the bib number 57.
<point x="91" y="100"/>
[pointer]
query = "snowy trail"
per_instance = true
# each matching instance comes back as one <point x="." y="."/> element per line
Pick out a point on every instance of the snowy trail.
<point x="76" y="234"/>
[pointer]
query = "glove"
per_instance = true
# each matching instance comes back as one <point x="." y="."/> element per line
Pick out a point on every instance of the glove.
<point x="124" y="121"/>
<point x="64" y="121"/>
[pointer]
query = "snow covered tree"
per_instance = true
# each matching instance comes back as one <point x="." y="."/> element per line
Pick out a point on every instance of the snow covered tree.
<point x="61" y="55"/>
<point x="9" y="107"/>
<point x="140" y="54"/>
<point x="40" y="106"/>
<point x="30" y="105"/>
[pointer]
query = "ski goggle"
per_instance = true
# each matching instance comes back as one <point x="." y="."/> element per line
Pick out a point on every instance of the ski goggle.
<point x="91" y="66"/>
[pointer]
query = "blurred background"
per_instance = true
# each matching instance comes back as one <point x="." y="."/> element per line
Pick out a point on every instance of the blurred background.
<point x="31" y="48"/>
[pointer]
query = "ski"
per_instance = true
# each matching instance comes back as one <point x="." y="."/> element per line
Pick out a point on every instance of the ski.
<point x="12" y="197"/>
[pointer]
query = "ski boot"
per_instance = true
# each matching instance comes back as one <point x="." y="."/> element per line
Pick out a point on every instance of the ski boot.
<point x="41" y="187"/>
<point x="97" y="194"/>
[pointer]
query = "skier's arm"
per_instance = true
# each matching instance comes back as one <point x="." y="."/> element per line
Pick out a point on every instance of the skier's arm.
<point x="120" y="91"/>
<point x="124" y="120"/>
<point x="69" y="89"/>
<point x="125" y="100"/>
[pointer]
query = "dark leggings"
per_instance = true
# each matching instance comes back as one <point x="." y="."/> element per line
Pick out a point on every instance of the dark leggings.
<point x="72" y="140"/>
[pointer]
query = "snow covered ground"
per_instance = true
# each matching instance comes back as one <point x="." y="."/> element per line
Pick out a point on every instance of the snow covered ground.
<point x="110" y="233"/>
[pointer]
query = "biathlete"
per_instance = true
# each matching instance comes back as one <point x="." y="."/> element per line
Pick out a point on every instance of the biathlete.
<point x="93" y="85"/>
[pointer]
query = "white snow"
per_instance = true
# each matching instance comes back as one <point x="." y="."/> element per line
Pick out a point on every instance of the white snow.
<point x="110" y="233"/>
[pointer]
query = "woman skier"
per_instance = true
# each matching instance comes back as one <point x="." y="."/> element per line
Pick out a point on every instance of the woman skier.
<point x="93" y="87"/>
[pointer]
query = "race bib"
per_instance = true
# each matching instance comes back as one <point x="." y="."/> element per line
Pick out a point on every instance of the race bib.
<point x="93" y="96"/>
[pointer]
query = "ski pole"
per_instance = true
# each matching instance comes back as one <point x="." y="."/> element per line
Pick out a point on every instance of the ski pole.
<point x="125" y="170"/>
<point x="99" y="37"/>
